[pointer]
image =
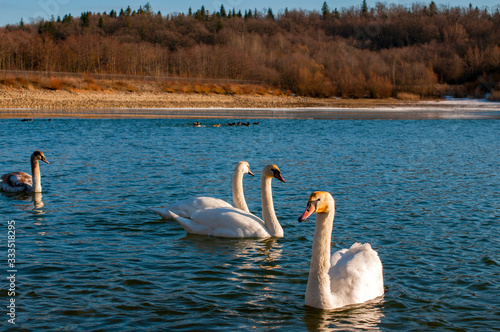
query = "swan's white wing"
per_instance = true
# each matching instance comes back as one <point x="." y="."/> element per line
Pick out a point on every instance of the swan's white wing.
<point x="16" y="181"/>
<point x="356" y="274"/>
<point x="224" y="222"/>
<point x="187" y="207"/>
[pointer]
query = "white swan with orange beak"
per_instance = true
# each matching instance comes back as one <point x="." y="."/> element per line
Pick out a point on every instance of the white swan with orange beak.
<point x="349" y="276"/>
<point x="236" y="223"/>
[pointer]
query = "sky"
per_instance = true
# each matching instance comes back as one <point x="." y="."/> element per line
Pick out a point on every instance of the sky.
<point x="11" y="11"/>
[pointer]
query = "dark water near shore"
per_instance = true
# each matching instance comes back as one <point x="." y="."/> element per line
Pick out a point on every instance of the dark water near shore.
<point x="424" y="193"/>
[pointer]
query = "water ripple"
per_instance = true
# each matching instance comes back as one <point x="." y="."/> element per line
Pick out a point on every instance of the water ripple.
<point x="92" y="256"/>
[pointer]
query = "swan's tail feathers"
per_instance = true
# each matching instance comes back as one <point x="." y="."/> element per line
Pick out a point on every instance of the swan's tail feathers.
<point x="191" y="226"/>
<point x="164" y="213"/>
<point x="360" y="247"/>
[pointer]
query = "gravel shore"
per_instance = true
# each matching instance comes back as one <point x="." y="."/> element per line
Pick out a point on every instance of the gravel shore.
<point x="66" y="99"/>
<point x="38" y="103"/>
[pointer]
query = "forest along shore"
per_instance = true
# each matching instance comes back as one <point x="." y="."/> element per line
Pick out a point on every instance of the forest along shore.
<point x="379" y="52"/>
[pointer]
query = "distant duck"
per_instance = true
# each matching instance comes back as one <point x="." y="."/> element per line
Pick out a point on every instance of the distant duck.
<point x="187" y="207"/>
<point x="349" y="276"/>
<point x="216" y="125"/>
<point x="257" y="123"/>
<point x="197" y="124"/>
<point x="23" y="182"/>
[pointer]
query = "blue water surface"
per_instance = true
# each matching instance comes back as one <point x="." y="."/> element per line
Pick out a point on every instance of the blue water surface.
<point x="424" y="193"/>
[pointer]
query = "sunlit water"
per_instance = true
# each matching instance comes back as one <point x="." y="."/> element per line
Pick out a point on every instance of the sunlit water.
<point x="424" y="193"/>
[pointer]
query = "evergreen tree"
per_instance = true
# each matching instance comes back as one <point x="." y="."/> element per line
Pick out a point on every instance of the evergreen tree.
<point x="325" y="10"/>
<point x="219" y="25"/>
<point x="67" y="18"/>
<point x="200" y="14"/>
<point x="336" y="14"/>
<point x="85" y="19"/>
<point x="364" y="8"/>
<point x="270" y="15"/>
<point x="433" y="8"/>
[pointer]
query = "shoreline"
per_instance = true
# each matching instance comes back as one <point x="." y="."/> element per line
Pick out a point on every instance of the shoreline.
<point x="23" y="103"/>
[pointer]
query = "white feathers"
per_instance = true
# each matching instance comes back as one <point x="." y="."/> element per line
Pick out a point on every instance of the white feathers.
<point x="356" y="274"/>
<point x="236" y="223"/>
<point x="349" y="276"/>
<point x="187" y="207"/>
<point x="223" y="222"/>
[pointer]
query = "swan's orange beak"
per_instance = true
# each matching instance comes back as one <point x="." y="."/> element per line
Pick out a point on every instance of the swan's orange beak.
<point x="311" y="208"/>
<point x="250" y="173"/>
<point x="277" y="175"/>
<point x="45" y="160"/>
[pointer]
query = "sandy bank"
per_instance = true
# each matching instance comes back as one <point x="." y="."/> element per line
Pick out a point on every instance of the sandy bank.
<point x="39" y="103"/>
<point x="66" y="99"/>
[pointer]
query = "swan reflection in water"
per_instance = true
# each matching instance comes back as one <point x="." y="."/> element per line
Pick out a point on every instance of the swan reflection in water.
<point x="238" y="261"/>
<point x="271" y="249"/>
<point x="34" y="199"/>
<point x="269" y="253"/>
<point x="244" y="253"/>
<point x="366" y="316"/>
<point x="37" y="201"/>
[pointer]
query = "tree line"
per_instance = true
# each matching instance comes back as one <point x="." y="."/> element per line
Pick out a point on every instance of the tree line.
<point x="421" y="49"/>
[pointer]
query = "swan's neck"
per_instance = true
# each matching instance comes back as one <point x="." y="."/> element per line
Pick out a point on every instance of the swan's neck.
<point x="318" y="292"/>
<point x="268" y="214"/>
<point x="36" y="178"/>
<point x="238" y="195"/>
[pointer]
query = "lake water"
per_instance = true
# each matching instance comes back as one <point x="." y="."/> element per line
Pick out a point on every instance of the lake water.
<point x="424" y="193"/>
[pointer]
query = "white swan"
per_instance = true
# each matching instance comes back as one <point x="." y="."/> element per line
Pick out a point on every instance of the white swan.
<point x="350" y="276"/>
<point x="233" y="222"/>
<point x="187" y="207"/>
<point x="23" y="182"/>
